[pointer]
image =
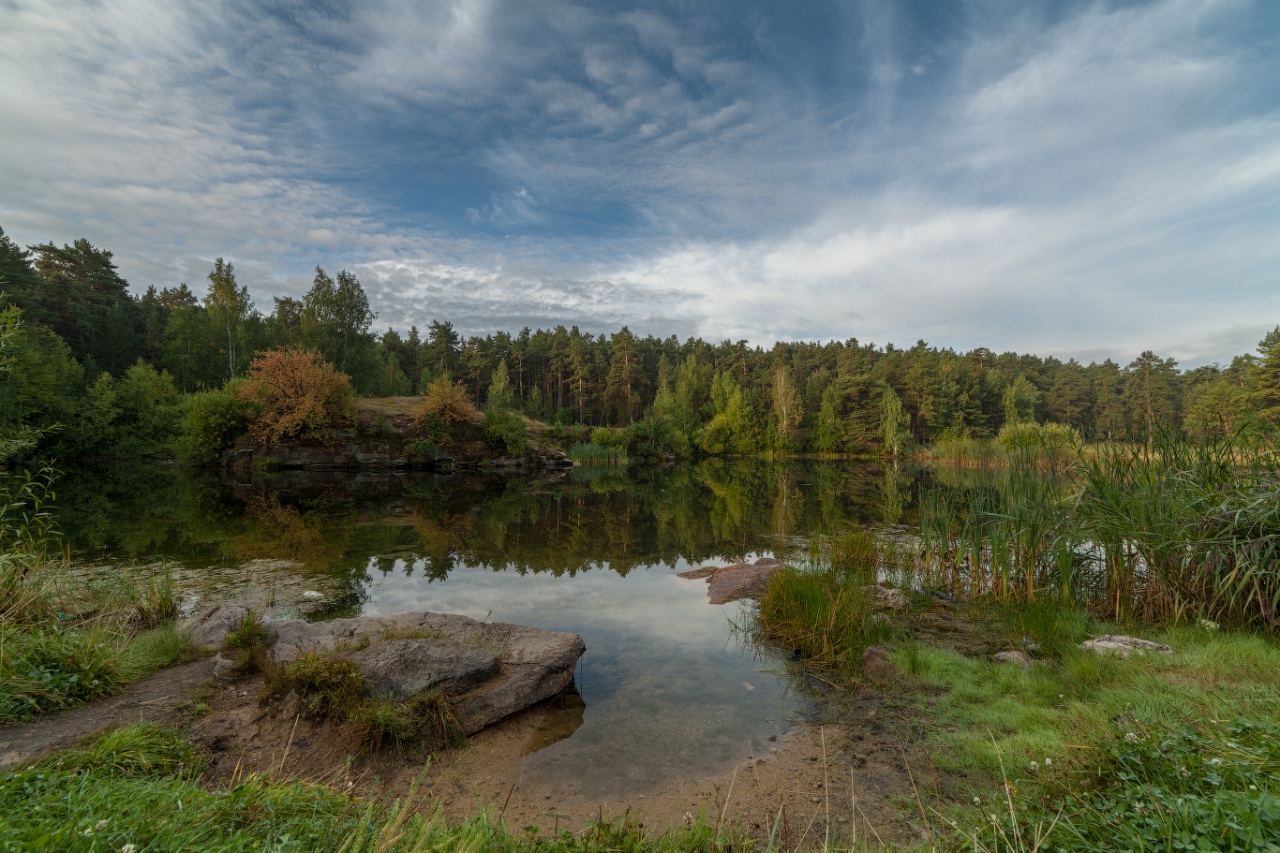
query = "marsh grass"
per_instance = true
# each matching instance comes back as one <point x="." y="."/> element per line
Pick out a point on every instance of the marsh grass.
<point x="1171" y="530"/>
<point x="820" y="611"/>
<point x="246" y="645"/>
<point x="594" y="454"/>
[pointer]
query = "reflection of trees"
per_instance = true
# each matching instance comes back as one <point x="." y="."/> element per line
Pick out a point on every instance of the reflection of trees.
<point x="353" y="528"/>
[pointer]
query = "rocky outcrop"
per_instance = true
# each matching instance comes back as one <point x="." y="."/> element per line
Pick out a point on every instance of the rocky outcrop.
<point x="1119" y="644"/>
<point x="488" y="671"/>
<point x="741" y="580"/>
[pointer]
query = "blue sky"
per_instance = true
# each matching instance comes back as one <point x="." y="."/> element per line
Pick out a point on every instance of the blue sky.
<point x="1078" y="179"/>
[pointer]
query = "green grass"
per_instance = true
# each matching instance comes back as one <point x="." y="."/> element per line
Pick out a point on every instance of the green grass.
<point x="327" y="686"/>
<point x="820" y="612"/>
<point x="426" y="722"/>
<point x="139" y="786"/>
<point x="1083" y="734"/>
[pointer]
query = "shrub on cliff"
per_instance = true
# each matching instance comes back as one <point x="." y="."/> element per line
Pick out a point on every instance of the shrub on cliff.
<point x="443" y="409"/>
<point x="211" y="422"/>
<point x="295" y="395"/>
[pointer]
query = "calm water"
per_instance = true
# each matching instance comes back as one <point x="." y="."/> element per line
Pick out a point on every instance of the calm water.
<point x="670" y="693"/>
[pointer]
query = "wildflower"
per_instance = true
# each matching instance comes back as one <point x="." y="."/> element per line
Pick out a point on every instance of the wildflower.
<point x="100" y="825"/>
<point x="1208" y="625"/>
<point x="88" y="832"/>
<point x="1215" y="761"/>
<point x="1048" y="762"/>
<point x="1131" y="737"/>
<point x="128" y="848"/>
<point x="1253" y="787"/>
<point x="1035" y="765"/>
<point x="977" y="801"/>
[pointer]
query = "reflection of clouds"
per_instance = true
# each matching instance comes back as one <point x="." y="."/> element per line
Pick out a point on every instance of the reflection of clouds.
<point x="663" y="678"/>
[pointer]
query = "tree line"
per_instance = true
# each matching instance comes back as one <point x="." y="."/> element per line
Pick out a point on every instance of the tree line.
<point x="116" y="370"/>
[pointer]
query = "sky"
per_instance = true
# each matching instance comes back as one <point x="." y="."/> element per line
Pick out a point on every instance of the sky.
<point x="1079" y="179"/>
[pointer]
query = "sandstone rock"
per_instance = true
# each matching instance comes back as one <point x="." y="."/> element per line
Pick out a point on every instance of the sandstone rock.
<point x="699" y="574"/>
<point x="1019" y="658"/>
<point x="399" y="669"/>
<point x="886" y="597"/>
<point x="488" y="671"/>
<point x="211" y="628"/>
<point x="745" y="580"/>
<point x="1124" y="646"/>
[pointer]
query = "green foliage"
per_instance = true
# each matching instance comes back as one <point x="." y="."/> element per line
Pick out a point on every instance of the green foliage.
<point x="594" y="454"/>
<point x="136" y="751"/>
<point x="47" y="667"/>
<point x="503" y="424"/>
<point x="211" y="422"/>
<point x="821" y="612"/>
<point x="1211" y="786"/>
<point x="894" y="433"/>
<point x="134" y="416"/>
<point x="1030" y="436"/>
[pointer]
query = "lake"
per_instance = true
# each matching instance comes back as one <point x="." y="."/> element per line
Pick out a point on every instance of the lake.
<point x="669" y="689"/>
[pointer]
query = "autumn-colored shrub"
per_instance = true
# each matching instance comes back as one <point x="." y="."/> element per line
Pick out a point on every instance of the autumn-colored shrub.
<point x="294" y="394"/>
<point x="444" y="407"/>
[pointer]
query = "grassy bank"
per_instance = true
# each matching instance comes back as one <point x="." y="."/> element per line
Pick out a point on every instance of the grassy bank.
<point x="138" y="789"/>
<point x="66" y="639"/>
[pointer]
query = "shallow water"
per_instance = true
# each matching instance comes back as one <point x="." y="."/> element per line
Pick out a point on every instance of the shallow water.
<point x="669" y="693"/>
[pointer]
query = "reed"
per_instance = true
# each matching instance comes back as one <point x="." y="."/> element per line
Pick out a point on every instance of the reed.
<point x="1171" y="529"/>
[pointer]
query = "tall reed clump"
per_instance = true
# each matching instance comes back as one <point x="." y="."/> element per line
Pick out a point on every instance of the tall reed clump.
<point x="1011" y="537"/>
<point x="1170" y="529"/>
<point x="819" y="611"/>
<point x="1185" y="529"/>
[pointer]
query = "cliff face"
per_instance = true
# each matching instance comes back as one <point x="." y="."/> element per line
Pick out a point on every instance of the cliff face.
<point x="386" y="440"/>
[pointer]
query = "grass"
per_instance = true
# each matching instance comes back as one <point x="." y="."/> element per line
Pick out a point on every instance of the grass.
<point x="820" y="612"/>
<point x="138" y="788"/>
<point x="594" y="454"/>
<point x="427" y="721"/>
<point x="1084" y="739"/>
<point x="66" y="639"/>
<point x="327" y="686"/>
<point x="1170" y="530"/>
<point x="246" y="645"/>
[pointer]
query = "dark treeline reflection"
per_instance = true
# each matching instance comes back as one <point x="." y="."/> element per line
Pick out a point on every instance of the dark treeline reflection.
<point x="349" y="525"/>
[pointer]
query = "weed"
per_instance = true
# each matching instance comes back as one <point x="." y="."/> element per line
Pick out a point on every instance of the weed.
<point x="424" y="721"/>
<point x="327" y="686"/>
<point x="246" y="644"/>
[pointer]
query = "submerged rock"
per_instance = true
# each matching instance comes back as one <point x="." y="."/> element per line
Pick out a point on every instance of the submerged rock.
<point x="488" y="671"/>
<point x="1124" y="646"/>
<point x="741" y="580"/>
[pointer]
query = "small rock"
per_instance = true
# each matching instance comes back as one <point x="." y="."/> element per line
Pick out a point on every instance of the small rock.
<point x="886" y="597"/>
<point x="1124" y="646"/>
<point x="1019" y="658"/>
<point x="876" y="665"/>
<point x="211" y="628"/>
<point x="312" y="594"/>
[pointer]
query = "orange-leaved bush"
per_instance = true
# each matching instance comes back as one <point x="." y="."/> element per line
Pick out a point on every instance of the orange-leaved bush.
<point x="294" y="394"/>
<point x="443" y="408"/>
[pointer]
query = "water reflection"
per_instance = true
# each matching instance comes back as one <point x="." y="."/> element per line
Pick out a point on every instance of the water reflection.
<point x="666" y="693"/>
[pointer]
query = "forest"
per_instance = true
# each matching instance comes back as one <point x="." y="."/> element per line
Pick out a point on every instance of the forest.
<point x="123" y="375"/>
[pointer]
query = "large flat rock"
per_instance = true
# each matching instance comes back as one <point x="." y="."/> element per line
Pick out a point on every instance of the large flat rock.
<point x="489" y="671"/>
